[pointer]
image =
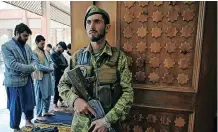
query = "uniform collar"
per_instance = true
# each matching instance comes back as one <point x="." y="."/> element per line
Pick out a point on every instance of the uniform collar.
<point x="107" y="49"/>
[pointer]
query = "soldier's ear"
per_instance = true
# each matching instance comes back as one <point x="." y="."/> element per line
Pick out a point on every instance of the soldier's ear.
<point x="107" y="28"/>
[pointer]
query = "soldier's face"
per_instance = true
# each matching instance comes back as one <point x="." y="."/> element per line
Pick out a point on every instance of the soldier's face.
<point x="95" y="27"/>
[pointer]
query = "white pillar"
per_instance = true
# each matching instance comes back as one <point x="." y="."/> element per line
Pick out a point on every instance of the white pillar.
<point x="64" y="35"/>
<point x="25" y="21"/>
<point x="10" y="33"/>
<point x="54" y="37"/>
<point x="24" y="17"/>
<point x="46" y="19"/>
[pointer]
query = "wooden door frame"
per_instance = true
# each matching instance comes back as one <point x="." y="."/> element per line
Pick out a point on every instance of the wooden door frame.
<point x="188" y="91"/>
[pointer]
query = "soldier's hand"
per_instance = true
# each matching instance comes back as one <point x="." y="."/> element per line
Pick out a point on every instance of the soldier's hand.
<point x="82" y="107"/>
<point x="99" y="126"/>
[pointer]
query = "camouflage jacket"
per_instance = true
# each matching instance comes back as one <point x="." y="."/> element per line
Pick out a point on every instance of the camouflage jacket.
<point x="119" y="112"/>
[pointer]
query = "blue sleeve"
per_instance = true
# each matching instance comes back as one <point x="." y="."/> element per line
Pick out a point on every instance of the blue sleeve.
<point x="11" y="62"/>
<point x="39" y="66"/>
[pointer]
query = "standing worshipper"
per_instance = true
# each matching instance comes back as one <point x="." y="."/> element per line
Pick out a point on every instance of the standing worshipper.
<point x="43" y="79"/>
<point x="48" y="48"/>
<point x="69" y="49"/>
<point x="60" y="63"/>
<point x="67" y="53"/>
<point x="19" y="65"/>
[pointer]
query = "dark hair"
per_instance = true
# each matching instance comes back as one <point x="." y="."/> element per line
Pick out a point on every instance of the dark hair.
<point x="20" y="28"/>
<point x="49" y="45"/>
<point x="63" y="45"/>
<point x="39" y="38"/>
<point x="69" y="46"/>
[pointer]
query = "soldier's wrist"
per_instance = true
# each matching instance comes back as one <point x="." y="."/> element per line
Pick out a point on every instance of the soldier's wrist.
<point x="74" y="99"/>
<point x="106" y="123"/>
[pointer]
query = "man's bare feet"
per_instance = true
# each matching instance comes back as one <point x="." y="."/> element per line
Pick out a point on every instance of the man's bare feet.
<point x="61" y="104"/>
<point x="58" y="108"/>
<point x="29" y="124"/>
<point x="40" y="118"/>
<point x="48" y="114"/>
<point x="18" y="130"/>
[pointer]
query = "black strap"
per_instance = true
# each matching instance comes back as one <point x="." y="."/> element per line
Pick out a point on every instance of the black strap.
<point x="71" y="63"/>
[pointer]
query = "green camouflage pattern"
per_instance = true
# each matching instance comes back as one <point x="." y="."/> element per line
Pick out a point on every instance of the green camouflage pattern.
<point x="119" y="112"/>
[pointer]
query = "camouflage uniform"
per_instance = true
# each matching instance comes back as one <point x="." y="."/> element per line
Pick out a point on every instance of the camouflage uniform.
<point x="121" y="108"/>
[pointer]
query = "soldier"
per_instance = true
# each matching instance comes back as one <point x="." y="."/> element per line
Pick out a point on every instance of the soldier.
<point x="104" y="67"/>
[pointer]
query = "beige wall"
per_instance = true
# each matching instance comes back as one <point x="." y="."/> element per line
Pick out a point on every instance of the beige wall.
<point x="78" y="34"/>
<point x="16" y="14"/>
<point x="110" y="7"/>
<point x="79" y="37"/>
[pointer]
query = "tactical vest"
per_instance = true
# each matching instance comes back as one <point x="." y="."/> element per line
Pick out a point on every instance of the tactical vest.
<point x="104" y="80"/>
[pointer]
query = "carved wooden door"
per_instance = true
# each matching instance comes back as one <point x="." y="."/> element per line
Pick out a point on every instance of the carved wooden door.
<point x="163" y="43"/>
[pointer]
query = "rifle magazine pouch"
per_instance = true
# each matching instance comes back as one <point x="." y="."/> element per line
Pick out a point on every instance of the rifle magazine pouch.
<point x="107" y="75"/>
<point x="104" y="96"/>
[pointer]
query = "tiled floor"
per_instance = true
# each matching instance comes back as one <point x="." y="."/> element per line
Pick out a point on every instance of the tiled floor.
<point x="5" y="121"/>
<point x="4" y="113"/>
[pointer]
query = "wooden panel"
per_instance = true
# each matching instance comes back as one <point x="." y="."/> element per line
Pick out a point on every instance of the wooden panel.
<point x="163" y="40"/>
<point x="110" y="7"/>
<point x="164" y="88"/>
<point x="206" y="110"/>
<point x="160" y="38"/>
<point x="165" y="100"/>
<point x="163" y="44"/>
<point x="79" y="37"/>
<point x="154" y="120"/>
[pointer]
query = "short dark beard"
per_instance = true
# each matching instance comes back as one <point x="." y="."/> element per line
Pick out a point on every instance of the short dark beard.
<point x="60" y="52"/>
<point x="96" y="39"/>
<point x="21" y="41"/>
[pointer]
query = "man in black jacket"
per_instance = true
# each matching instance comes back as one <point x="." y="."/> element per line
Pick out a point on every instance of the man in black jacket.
<point x="60" y="63"/>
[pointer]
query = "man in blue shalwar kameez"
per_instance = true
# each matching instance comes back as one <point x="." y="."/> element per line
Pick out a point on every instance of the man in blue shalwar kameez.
<point x="18" y="61"/>
<point x="42" y="79"/>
